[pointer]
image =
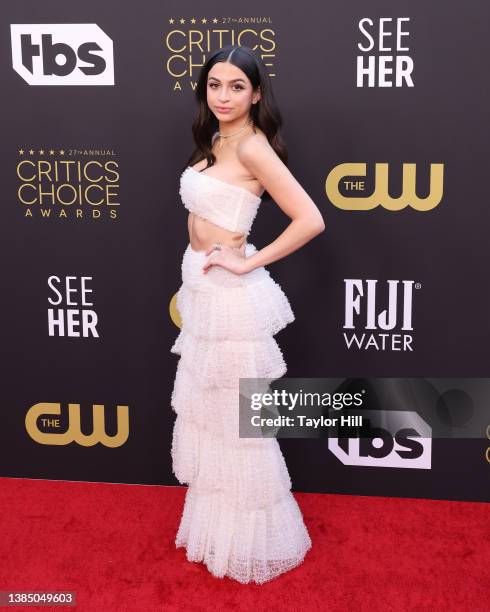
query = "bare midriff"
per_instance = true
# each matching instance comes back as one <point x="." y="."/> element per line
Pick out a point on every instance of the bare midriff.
<point x="203" y="234"/>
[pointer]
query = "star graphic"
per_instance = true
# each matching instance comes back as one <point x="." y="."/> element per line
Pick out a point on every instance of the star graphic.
<point x="215" y="20"/>
<point x="193" y="20"/>
<point x="182" y="20"/>
<point x="62" y="151"/>
<point x="204" y="20"/>
<point x="171" y="20"/>
<point x="41" y="151"/>
<point x="21" y="151"/>
<point x="31" y="151"/>
<point x="51" y="152"/>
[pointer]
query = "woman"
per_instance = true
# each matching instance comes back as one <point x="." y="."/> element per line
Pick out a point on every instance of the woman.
<point x="240" y="517"/>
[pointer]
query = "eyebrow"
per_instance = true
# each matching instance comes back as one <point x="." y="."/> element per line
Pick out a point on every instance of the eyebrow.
<point x="231" y="81"/>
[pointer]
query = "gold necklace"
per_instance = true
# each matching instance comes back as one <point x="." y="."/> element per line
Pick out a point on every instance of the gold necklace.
<point x="222" y="136"/>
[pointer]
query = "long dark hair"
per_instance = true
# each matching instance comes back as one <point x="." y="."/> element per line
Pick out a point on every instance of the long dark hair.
<point x="264" y="114"/>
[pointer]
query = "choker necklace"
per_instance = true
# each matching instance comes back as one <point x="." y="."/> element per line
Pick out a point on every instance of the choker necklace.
<point x="222" y="136"/>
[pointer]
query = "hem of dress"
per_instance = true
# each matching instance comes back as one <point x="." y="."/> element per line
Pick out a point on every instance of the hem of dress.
<point x="299" y="561"/>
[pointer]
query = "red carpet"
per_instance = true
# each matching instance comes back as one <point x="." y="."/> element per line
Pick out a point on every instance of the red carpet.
<point x="114" y="546"/>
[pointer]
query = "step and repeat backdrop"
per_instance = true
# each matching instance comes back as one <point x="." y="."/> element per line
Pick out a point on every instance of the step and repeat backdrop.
<point x="385" y="107"/>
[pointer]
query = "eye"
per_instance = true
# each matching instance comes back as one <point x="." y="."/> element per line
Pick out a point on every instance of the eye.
<point x="237" y="87"/>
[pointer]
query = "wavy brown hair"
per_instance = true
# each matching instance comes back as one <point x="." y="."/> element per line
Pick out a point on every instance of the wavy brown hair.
<point x="265" y="113"/>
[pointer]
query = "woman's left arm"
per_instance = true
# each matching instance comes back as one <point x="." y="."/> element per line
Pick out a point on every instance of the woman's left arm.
<point x="262" y="161"/>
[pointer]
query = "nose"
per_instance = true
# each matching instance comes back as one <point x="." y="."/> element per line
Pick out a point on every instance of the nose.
<point x="223" y="96"/>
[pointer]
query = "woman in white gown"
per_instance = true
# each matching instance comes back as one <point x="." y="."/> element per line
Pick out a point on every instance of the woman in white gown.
<point x="240" y="517"/>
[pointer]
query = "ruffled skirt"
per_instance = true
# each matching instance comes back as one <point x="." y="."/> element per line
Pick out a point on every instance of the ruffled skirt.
<point x="240" y="517"/>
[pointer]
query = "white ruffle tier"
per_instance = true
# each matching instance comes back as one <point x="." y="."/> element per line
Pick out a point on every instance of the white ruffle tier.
<point x="221" y="305"/>
<point x="254" y="477"/>
<point x="220" y="363"/>
<point x="211" y="409"/>
<point x="240" y="517"/>
<point x="250" y="311"/>
<point x="249" y="546"/>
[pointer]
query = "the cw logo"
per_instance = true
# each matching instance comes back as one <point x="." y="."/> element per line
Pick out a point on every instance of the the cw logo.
<point x="487" y="454"/>
<point x="380" y="196"/>
<point x="74" y="432"/>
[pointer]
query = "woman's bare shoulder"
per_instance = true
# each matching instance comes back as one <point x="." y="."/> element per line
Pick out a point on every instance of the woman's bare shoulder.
<point x="253" y="143"/>
<point x="200" y="165"/>
<point x="256" y="149"/>
<point x="257" y="135"/>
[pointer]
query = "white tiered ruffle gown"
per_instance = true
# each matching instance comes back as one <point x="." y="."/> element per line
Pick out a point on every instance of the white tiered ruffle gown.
<point x="240" y="517"/>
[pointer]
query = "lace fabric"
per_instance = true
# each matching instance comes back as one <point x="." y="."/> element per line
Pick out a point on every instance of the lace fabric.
<point x="240" y="517"/>
<point x="231" y="207"/>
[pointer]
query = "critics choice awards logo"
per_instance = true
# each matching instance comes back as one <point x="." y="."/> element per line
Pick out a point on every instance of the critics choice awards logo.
<point x="67" y="183"/>
<point x="190" y="39"/>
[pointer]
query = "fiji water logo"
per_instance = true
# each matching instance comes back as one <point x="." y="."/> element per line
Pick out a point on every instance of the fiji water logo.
<point x="381" y="317"/>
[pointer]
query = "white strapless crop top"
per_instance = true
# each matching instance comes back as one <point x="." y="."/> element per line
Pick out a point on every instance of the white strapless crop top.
<point x="231" y="207"/>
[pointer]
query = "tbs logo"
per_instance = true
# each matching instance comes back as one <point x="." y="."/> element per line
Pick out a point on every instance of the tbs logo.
<point x="394" y="438"/>
<point x="62" y="54"/>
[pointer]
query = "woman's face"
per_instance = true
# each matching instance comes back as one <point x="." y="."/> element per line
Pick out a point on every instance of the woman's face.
<point x="229" y="92"/>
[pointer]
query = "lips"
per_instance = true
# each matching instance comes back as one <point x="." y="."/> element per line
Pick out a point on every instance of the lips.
<point x="223" y="108"/>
